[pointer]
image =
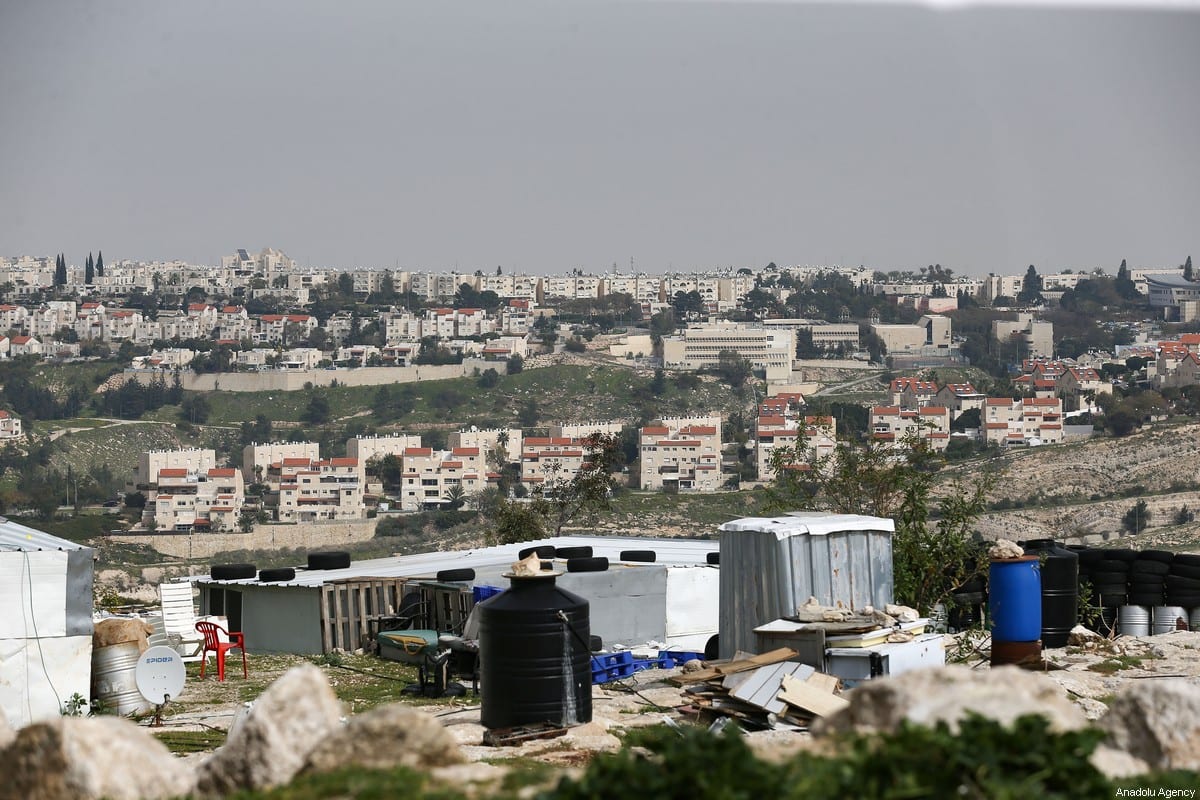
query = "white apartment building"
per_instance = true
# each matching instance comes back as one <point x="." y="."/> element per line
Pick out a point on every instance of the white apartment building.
<point x="1033" y="337"/>
<point x="490" y="440"/>
<point x="892" y="425"/>
<point x="1007" y="421"/>
<point x="194" y="461"/>
<point x="700" y="347"/>
<point x="326" y="490"/>
<point x="779" y="430"/>
<point x="196" y="501"/>
<point x="431" y="478"/>
<point x="825" y="335"/>
<point x="257" y="459"/>
<point x="581" y="430"/>
<point x="368" y="449"/>
<point x="10" y="427"/>
<point x="686" y="459"/>
<point x="556" y="457"/>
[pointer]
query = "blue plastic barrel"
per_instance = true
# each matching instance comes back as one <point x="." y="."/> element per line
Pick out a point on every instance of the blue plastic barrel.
<point x="1015" y="599"/>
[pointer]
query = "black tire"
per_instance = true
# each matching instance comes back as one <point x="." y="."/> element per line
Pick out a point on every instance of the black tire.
<point x="1110" y="565"/>
<point x="1142" y="567"/>
<point x="232" y="572"/>
<point x="1185" y="571"/>
<point x="1187" y="559"/>
<point x="1161" y="556"/>
<point x="975" y="585"/>
<point x="1141" y="599"/>
<point x="1090" y="556"/>
<point x="964" y="599"/>
<point x="456" y="575"/>
<point x="1099" y="578"/>
<point x="1110" y="588"/>
<point x="330" y="559"/>
<point x="1185" y="599"/>
<point x="276" y="575"/>
<point x="1147" y="588"/>
<point x="1121" y="554"/>
<point x="595" y="643"/>
<point x="639" y="555"/>
<point x="544" y="551"/>
<point x="573" y="552"/>
<point x="713" y="558"/>
<point x="587" y="564"/>
<point x="1113" y="600"/>
<point x="712" y="648"/>
<point x="547" y="566"/>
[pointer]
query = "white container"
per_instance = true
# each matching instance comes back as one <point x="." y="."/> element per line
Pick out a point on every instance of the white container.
<point x="857" y="664"/>
<point x="1133" y="621"/>
<point x="1166" y="617"/>
<point x="1194" y="619"/>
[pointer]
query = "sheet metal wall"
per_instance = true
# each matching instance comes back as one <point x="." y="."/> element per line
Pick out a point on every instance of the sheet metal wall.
<point x="770" y="567"/>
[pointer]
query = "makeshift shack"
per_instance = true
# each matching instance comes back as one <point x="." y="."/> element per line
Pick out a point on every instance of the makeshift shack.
<point x="45" y="623"/>
<point x="672" y="600"/>
<point x="771" y="565"/>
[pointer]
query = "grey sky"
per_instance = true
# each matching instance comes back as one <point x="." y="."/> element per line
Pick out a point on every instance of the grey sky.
<point x="545" y="136"/>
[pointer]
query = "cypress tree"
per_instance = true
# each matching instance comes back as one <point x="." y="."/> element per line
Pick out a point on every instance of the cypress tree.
<point x="1187" y="270"/>
<point x="100" y="263"/>
<point x="89" y="272"/>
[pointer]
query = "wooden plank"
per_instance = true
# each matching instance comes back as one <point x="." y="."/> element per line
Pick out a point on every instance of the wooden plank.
<point x="326" y="626"/>
<point x="808" y="697"/>
<point x="733" y="667"/>
<point x="362" y="614"/>
<point x="825" y="682"/>
<point x="761" y="688"/>
<point x="339" y="637"/>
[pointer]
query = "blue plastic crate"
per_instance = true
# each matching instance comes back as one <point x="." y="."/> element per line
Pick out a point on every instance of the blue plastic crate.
<point x="612" y="666"/>
<point x="670" y="659"/>
<point x="481" y="593"/>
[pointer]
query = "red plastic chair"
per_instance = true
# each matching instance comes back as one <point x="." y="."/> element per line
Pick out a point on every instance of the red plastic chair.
<point x="213" y="643"/>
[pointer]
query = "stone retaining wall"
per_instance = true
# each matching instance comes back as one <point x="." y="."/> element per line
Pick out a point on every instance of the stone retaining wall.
<point x="290" y="381"/>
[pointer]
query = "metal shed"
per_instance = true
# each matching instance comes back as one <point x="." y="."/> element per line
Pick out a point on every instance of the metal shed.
<point x="45" y="622"/>
<point x="771" y="565"/>
<point x="673" y="600"/>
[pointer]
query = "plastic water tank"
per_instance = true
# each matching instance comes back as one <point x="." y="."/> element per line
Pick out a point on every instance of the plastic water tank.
<point x="1015" y="599"/>
<point x="1060" y="590"/>
<point x="535" y="664"/>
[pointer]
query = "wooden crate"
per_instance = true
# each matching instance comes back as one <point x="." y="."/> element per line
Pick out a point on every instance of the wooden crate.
<point x="348" y="607"/>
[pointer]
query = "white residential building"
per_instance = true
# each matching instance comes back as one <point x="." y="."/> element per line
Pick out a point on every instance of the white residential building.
<point x="686" y="459"/>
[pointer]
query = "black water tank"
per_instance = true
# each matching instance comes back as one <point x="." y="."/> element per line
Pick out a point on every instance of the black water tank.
<point x="1060" y="590"/>
<point x="533" y="653"/>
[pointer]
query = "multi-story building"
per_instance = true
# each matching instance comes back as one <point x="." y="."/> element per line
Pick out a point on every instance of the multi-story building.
<point x="192" y="461"/>
<point x="369" y="449"/>
<point x="490" y="440"/>
<point x="700" y="347"/>
<point x="557" y="458"/>
<point x="438" y="478"/>
<point x="783" y="430"/>
<point x="684" y="459"/>
<point x="959" y="397"/>
<point x="257" y="459"/>
<point x="10" y="426"/>
<point x="912" y="393"/>
<point x="188" y="501"/>
<point x="1030" y="337"/>
<point x="1032" y="420"/>
<point x="895" y="426"/>
<point x="322" y="490"/>
<point x="825" y="335"/>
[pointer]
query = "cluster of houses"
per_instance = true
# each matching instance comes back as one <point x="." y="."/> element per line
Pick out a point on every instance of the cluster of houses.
<point x="186" y="490"/>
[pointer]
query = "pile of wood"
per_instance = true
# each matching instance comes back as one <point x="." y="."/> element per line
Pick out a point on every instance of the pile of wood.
<point x="760" y="692"/>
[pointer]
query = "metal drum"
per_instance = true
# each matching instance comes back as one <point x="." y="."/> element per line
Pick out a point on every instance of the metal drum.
<point x="1133" y="621"/>
<point x="1165" y="618"/>
<point x="113" y="682"/>
<point x="1060" y="590"/>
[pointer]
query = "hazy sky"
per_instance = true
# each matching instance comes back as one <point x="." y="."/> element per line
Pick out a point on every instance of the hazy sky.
<point x="544" y="136"/>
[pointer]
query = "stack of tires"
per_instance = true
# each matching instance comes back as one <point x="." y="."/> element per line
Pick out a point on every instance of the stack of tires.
<point x="966" y="605"/>
<point x="1090" y="593"/>
<point x="1183" y="581"/>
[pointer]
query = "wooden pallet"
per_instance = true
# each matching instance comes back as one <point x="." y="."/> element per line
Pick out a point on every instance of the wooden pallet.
<point x="349" y="606"/>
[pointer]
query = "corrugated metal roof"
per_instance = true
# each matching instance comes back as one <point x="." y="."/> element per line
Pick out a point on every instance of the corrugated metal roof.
<point x="668" y="552"/>
<point x="15" y="537"/>
<point x="813" y="523"/>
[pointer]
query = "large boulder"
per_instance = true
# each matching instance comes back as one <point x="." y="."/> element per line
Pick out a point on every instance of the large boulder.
<point x="384" y="737"/>
<point x="929" y="696"/>
<point x="118" y="631"/>
<point x="91" y="757"/>
<point x="1157" y="722"/>
<point x="272" y="744"/>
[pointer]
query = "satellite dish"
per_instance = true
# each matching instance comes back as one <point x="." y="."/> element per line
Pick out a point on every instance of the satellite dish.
<point x="159" y="675"/>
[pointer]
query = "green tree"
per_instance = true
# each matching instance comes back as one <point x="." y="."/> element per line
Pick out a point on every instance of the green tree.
<point x="1187" y="270"/>
<point x="514" y="521"/>
<point x="1124" y="283"/>
<point x="1031" y="288"/>
<point x="196" y="409"/>
<point x="89" y="271"/>
<point x="515" y="364"/>
<point x="565" y="499"/>
<point x="529" y="413"/>
<point x="100" y="263"/>
<point x="930" y="558"/>
<point x="488" y="379"/>
<point x="317" y="411"/>
<point x="345" y="285"/>
<point x="733" y="369"/>
<point x="1137" y="517"/>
